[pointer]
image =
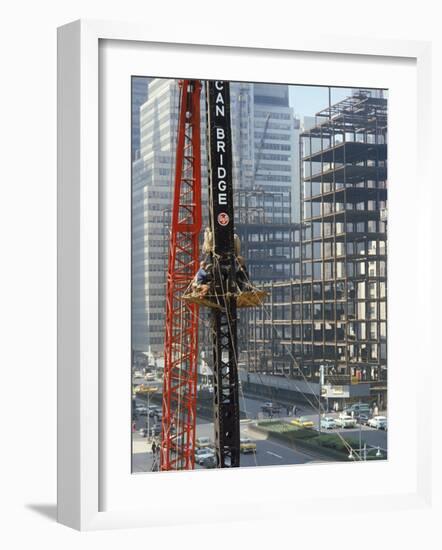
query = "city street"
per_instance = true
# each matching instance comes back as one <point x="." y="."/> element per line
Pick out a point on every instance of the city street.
<point x="269" y="452"/>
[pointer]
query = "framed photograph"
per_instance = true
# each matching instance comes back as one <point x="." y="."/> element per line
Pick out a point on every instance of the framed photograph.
<point x="234" y="225"/>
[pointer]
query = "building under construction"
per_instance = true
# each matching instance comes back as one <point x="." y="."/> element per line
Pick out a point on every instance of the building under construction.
<point x="335" y="315"/>
<point x="272" y="251"/>
<point x="269" y="242"/>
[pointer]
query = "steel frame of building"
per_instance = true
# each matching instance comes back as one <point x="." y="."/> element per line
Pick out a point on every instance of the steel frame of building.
<point x="272" y="251"/>
<point x="336" y="315"/>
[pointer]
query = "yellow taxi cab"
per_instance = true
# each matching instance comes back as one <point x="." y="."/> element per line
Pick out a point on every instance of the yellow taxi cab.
<point x="142" y="388"/>
<point x="302" y="422"/>
<point x="203" y="442"/>
<point x="247" y="446"/>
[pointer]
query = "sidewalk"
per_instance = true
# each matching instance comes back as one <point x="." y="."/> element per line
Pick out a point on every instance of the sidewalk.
<point x="141" y="445"/>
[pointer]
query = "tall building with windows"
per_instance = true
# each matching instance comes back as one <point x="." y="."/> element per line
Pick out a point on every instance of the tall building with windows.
<point x="152" y="180"/>
<point x="335" y="317"/>
<point x="266" y="180"/>
<point x="139" y="96"/>
<point x="265" y="135"/>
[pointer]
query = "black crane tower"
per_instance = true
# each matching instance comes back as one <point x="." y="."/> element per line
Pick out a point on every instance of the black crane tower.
<point x="222" y="256"/>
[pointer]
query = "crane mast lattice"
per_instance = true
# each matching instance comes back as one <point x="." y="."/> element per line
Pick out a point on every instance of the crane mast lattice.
<point x="224" y="318"/>
<point x="181" y="334"/>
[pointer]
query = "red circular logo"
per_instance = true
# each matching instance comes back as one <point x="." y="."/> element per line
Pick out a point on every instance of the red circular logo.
<point x="223" y="218"/>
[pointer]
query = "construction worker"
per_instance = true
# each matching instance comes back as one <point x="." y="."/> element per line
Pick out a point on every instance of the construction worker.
<point x="242" y="275"/>
<point x="202" y="279"/>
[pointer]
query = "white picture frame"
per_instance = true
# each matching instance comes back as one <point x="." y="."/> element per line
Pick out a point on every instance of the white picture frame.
<point x="81" y="395"/>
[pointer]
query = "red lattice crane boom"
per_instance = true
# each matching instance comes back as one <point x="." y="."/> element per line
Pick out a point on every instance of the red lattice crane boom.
<point x="181" y="334"/>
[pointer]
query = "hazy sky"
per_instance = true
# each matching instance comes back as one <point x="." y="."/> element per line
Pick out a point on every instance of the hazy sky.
<point x="308" y="100"/>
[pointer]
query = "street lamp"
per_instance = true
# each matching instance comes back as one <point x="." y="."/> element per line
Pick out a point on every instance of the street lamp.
<point x="147" y="390"/>
<point x="148" y="417"/>
<point x="360" y="438"/>
<point x="363" y="453"/>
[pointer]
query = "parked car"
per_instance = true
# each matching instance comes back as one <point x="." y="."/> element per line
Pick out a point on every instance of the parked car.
<point x="154" y="410"/>
<point x="378" y="422"/>
<point x="202" y="454"/>
<point x="270" y="407"/>
<point x="202" y="442"/>
<point x="357" y="409"/>
<point x="247" y="445"/>
<point x="210" y="462"/>
<point x="302" y="422"/>
<point x="141" y="410"/>
<point x="143" y="432"/>
<point x="363" y="419"/>
<point x="345" y="421"/>
<point x="328" y="423"/>
<point x="149" y="376"/>
<point x="155" y="429"/>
